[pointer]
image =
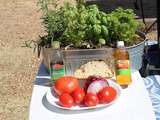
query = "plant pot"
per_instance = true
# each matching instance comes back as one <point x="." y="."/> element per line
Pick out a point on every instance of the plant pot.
<point x="136" y="53"/>
<point x="73" y="58"/>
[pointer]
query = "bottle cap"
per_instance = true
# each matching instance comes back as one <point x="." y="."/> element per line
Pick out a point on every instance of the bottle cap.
<point x="120" y="44"/>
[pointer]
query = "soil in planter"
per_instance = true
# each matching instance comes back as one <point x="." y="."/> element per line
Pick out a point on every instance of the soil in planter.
<point x="113" y="45"/>
<point x="135" y="41"/>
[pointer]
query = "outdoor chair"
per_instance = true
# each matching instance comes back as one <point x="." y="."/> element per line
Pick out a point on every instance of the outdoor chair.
<point x="151" y="61"/>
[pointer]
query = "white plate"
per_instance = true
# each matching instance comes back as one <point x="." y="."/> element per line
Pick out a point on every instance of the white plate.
<point x="53" y="99"/>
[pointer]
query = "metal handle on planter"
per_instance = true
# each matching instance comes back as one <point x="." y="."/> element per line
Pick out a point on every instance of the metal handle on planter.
<point x="146" y="46"/>
<point x="140" y="33"/>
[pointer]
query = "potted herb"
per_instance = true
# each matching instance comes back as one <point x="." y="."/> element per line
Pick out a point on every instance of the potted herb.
<point x="80" y="26"/>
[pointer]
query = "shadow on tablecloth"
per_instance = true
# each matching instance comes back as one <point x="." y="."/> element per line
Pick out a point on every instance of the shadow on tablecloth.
<point x="43" y="77"/>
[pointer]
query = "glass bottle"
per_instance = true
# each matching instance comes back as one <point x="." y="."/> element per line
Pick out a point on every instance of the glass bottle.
<point x="123" y="71"/>
<point x="57" y="68"/>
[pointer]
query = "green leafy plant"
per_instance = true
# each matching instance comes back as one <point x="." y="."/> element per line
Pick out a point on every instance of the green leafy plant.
<point x="122" y="25"/>
<point x="82" y="26"/>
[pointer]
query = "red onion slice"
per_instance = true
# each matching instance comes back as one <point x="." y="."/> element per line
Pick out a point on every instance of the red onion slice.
<point x="96" y="86"/>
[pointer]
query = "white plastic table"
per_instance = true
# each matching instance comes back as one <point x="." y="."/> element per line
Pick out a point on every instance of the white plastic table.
<point x="133" y="104"/>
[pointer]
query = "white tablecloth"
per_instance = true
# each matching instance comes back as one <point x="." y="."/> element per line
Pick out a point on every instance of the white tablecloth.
<point x="133" y="104"/>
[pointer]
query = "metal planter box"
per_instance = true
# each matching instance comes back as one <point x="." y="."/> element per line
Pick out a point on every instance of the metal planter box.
<point x="73" y="58"/>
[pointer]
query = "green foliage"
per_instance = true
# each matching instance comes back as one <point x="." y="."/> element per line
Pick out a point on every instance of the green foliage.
<point x="84" y="26"/>
<point x="122" y="25"/>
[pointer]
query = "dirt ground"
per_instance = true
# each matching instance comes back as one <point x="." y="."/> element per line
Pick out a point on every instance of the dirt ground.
<point x="19" y="21"/>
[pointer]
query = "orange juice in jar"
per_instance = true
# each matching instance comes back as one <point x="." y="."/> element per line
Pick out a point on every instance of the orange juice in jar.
<point x="123" y="71"/>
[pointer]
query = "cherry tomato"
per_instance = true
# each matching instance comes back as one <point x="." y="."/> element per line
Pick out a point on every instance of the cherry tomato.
<point x="66" y="100"/>
<point x="91" y="100"/>
<point x="66" y="84"/>
<point x="107" y="94"/>
<point x="78" y="95"/>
